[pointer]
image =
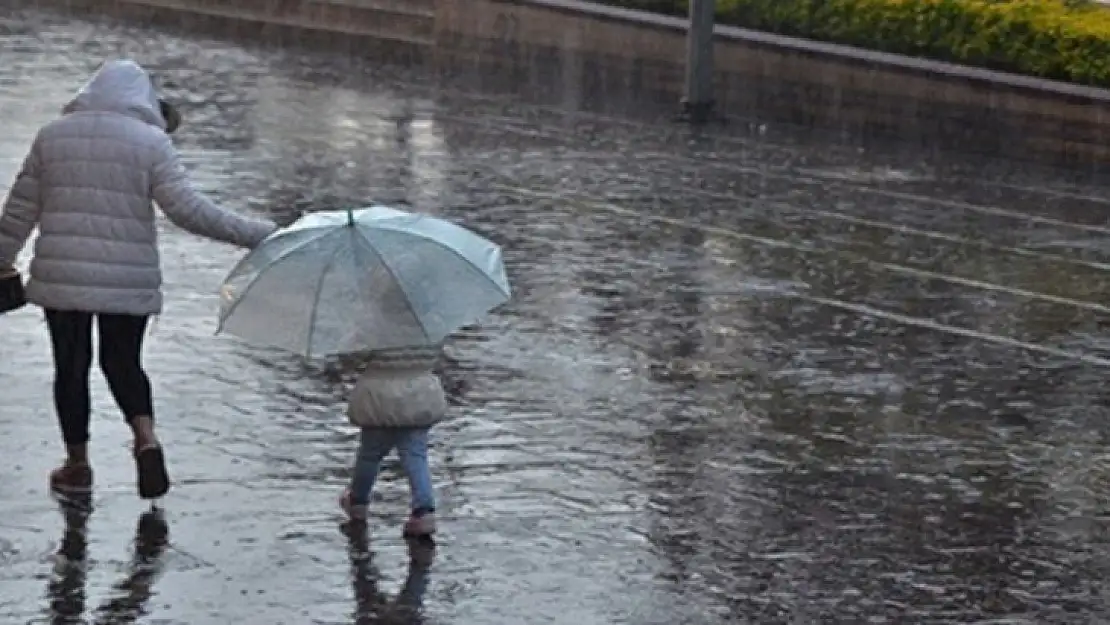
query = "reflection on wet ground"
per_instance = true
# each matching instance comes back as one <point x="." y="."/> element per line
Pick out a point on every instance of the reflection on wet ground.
<point x="744" y="379"/>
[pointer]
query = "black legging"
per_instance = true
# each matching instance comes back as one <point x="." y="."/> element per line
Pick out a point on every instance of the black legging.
<point x="121" y="344"/>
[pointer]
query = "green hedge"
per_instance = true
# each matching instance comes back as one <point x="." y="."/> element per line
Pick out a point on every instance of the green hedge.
<point x="1061" y="39"/>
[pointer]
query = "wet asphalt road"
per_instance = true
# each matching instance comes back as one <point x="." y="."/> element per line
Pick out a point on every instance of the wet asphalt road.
<point x="745" y="379"/>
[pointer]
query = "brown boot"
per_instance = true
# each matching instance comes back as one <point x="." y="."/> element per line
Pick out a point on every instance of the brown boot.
<point x="422" y="526"/>
<point x="72" y="479"/>
<point x="150" y="463"/>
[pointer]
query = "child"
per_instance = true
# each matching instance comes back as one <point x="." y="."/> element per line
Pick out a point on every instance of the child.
<point x="395" y="402"/>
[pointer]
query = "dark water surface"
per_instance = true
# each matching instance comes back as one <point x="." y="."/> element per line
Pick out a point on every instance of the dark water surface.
<point x="745" y="379"/>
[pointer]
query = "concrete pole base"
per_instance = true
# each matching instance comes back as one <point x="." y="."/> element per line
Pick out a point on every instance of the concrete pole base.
<point x="699" y="113"/>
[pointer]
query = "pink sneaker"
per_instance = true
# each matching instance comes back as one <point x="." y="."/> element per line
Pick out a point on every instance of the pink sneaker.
<point x="355" y="512"/>
<point x="420" y="527"/>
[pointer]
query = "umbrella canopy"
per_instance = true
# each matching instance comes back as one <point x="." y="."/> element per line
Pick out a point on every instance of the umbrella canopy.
<point x="359" y="280"/>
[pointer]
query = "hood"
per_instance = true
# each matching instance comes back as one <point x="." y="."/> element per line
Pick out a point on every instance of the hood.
<point x="121" y="86"/>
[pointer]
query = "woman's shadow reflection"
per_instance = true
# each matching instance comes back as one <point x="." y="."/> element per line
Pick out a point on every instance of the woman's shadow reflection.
<point x="374" y="607"/>
<point x="66" y="590"/>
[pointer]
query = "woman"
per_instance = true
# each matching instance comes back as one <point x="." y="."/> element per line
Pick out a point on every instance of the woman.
<point x="88" y="185"/>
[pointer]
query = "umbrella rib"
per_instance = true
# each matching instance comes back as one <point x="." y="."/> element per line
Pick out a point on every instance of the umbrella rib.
<point x="257" y="278"/>
<point x="450" y="249"/>
<point x="396" y="279"/>
<point x="316" y="300"/>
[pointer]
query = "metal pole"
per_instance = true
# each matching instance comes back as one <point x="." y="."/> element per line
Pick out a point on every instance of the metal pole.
<point x="698" y="103"/>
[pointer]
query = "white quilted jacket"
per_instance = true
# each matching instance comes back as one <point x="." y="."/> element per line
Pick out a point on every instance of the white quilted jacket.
<point x="398" y="389"/>
<point x="88" y="185"/>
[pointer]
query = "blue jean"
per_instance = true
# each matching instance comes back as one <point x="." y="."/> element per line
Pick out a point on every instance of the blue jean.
<point x="412" y="447"/>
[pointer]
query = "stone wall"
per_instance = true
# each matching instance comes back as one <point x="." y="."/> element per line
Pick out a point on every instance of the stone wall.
<point x="784" y="79"/>
<point x="572" y="51"/>
<point x="401" y="21"/>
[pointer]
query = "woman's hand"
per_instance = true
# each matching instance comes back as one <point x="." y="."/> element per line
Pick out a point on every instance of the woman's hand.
<point x="286" y="219"/>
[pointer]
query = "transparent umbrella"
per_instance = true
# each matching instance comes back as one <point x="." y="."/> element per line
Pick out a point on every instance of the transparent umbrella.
<point x="358" y="280"/>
